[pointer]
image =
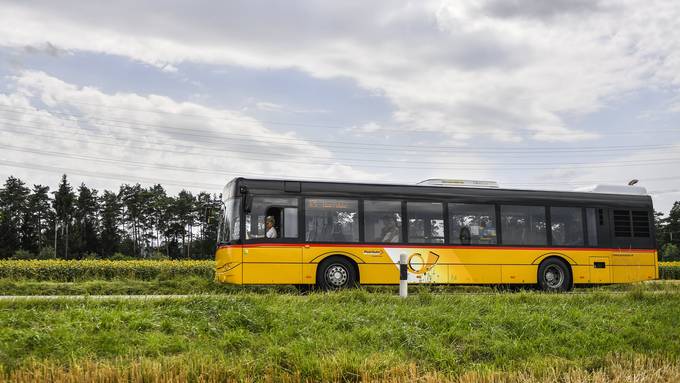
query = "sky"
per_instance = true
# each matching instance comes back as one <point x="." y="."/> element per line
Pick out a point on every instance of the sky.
<point x="532" y="94"/>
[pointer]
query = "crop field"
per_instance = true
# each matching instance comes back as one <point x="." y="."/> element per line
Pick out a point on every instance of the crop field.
<point x="615" y="333"/>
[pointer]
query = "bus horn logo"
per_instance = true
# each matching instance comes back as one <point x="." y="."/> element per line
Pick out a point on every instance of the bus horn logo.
<point x="419" y="265"/>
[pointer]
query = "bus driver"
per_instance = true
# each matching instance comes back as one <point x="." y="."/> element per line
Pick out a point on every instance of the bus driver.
<point x="269" y="224"/>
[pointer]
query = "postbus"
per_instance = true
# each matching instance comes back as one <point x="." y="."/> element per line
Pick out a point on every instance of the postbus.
<point x="335" y="235"/>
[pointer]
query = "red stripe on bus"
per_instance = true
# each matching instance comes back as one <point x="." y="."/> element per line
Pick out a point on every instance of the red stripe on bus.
<point x="434" y="246"/>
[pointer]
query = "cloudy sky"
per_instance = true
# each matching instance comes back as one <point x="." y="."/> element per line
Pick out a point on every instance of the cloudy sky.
<point x="530" y="93"/>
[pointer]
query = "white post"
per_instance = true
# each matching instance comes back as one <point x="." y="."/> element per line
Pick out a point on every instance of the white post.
<point x="403" y="274"/>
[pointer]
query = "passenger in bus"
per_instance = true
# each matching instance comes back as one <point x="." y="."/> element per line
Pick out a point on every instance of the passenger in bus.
<point x="391" y="231"/>
<point x="269" y="224"/>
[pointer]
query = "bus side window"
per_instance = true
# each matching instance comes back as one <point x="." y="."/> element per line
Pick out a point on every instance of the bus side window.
<point x="276" y="209"/>
<point x="425" y="222"/>
<point x="592" y="223"/>
<point x="290" y="222"/>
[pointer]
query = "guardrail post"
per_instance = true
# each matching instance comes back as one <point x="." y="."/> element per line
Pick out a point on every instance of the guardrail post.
<point x="403" y="274"/>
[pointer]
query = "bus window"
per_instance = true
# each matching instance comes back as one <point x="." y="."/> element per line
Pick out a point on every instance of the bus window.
<point x="331" y="220"/>
<point x="229" y="221"/>
<point x="266" y="219"/>
<point x="382" y="221"/>
<point x="567" y="226"/>
<point x="472" y="224"/>
<point x="523" y="225"/>
<point x="591" y="221"/>
<point x="425" y="222"/>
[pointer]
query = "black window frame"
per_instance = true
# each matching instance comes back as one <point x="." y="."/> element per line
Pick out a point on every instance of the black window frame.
<point x="496" y="210"/>
<point x="302" y="234"/>
<point x="546" y="212"/>
<point x="280" y="239"/>
<point x="583" y="225"/>
<point x="245" y="187"/>
<point x="362" y="215"/>
<point x="405" y="223"/>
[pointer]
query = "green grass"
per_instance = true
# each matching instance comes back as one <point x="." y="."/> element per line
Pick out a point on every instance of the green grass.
<point x="178" y="285"/>
<point x="185" y="285"/>
<point x="346" y="335"/>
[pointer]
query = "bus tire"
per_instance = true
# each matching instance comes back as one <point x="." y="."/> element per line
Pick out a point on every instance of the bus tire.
<point x="335" y="273"/>
<point x="554" y="275"/>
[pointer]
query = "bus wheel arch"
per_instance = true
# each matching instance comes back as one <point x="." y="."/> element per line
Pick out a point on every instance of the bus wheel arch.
<point x="336" y="272"/>
<point x="555" y="274"/>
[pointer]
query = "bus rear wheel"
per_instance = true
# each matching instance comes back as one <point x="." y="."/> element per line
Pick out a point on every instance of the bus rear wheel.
<point x="336" y="273"/>
<point x="554" y="276"/>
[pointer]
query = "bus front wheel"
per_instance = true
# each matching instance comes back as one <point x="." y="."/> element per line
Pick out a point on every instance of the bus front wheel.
<point x="554" y="275"/>
<point x="336" y="273"/>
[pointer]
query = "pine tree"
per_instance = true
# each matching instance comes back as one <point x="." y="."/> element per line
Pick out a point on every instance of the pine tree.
<point x="13" y="202"/>
<point x="86" y="216"/>
<point x="110" y="220"/>
<point x="673" y="224"/>
<point x="154" y="212"/>
<point x="63" y="204"/>
<point x="39" y="219"/>
<point x="186" y="211"/>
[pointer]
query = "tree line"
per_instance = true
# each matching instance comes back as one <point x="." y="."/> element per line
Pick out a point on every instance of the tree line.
<point x="137" y="222"/>
<point x="668" y="234"/>
<point x="80" y="223"/>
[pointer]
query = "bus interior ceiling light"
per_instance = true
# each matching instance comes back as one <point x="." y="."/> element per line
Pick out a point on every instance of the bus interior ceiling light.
<point x="459" y="183"/>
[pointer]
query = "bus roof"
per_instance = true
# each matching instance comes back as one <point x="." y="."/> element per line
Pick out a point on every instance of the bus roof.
<point x="440" y="193"/>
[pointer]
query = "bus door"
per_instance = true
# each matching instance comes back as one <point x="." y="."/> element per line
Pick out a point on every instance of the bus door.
<point x="271" y="254"/>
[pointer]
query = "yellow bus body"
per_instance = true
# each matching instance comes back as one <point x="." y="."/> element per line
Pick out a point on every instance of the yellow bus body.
<point x="266" y="263"/>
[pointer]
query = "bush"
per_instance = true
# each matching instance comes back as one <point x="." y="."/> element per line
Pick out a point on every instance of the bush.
<point x="670" y="252"/>
<point x="47" y="253"/>
<point x="158" y="256"/>
<point x="90" y="255"/>
<point x="23" y="254"/>
<point x="669" y="270"/>
<point x="73" y="270"/>
<point x="120" y="257"/>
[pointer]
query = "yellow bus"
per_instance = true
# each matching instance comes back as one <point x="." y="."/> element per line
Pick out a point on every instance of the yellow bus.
<point x="335" y="235"/>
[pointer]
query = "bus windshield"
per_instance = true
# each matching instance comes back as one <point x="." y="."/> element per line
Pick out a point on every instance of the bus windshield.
<point x="229" y="221"/>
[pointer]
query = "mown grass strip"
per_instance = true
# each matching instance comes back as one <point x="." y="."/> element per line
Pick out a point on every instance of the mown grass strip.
<point x="346" y="335"/>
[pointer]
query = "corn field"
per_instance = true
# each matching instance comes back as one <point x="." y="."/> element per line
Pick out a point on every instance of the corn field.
<point x="74" y="270"/>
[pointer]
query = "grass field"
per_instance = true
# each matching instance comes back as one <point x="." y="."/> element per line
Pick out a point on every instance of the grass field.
<point x="347" y="336"/>
<point x="620" y="333"/>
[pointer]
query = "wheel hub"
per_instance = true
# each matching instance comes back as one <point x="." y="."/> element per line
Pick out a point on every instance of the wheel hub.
<point x="554" y="277"/>
<point x="336" y="275"/>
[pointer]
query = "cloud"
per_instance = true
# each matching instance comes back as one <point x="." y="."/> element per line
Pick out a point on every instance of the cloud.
<point x="149" y="137"/>
<point x="47" y="48"/>
<point x="541" y="10"/>
<point x="268" y="106"/>
<point x="528" y="63"/>
<point x="370" y="127"/>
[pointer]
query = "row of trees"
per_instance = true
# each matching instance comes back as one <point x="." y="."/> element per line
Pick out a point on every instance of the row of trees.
<point x="134" y="221"/>
<point x="668" y="234"/>
<point x="142" y="222"/>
